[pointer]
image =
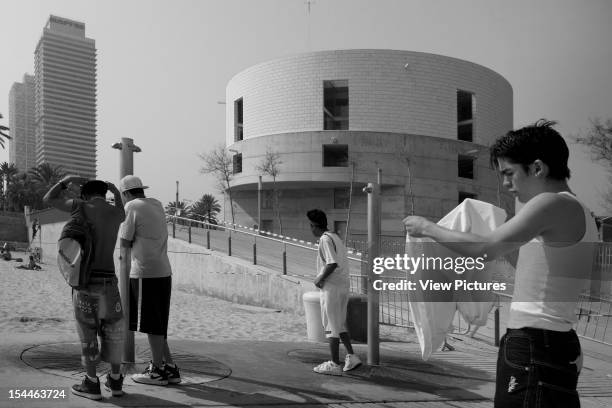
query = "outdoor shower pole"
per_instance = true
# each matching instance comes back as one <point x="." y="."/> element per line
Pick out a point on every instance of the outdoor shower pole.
<point x="373" y="190"/>
<point x="126" y="167"/>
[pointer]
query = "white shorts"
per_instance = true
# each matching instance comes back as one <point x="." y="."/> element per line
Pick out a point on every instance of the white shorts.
<point x="334" y="303"/>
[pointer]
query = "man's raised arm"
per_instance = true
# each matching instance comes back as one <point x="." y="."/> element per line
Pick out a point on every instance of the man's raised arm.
<point x="53" y="197"/>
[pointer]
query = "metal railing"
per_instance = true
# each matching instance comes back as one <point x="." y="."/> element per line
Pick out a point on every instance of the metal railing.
<point x="295" y="257"/>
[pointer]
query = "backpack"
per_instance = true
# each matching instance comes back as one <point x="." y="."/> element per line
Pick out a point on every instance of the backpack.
<point x="75" y="249"/>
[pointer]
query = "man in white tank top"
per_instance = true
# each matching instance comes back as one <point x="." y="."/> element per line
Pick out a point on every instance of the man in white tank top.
<point x="538" y="362"/>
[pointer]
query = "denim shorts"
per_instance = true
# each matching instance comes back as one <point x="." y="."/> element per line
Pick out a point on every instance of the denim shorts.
<point x="537" y="368"/>
<point x="98" y="312"/>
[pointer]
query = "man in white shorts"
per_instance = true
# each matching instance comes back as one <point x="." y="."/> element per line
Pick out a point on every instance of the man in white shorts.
<point x="333" y="280"/>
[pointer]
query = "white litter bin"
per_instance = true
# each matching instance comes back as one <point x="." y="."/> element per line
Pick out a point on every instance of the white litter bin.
<point x="312" y="309"/>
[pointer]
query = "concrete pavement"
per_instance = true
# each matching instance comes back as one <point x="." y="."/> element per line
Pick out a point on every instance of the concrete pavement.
<point x="278" y="374"/>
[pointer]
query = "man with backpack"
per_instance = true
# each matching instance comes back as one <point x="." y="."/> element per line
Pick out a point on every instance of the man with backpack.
<point x="97" y="304"/>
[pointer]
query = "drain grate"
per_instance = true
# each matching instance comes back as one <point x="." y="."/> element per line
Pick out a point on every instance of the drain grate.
<point x="64" y="360"/>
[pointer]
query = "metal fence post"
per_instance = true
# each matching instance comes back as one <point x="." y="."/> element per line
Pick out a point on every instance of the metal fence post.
<point x="229" y="245"/>
<point x="255" y="251"/>
<point x="497" y="328"/>
<point x="174" y="227"/>
<point x="284" y="259"/>
<point x="190" y="232"/>
<point x="373" y="190"/>
<point x="207" y="239"/>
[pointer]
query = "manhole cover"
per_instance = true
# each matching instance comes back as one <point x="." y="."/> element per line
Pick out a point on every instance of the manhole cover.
<point x="64" y="360"/>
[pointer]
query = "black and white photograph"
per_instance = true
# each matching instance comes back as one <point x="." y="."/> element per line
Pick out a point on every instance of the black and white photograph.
<point x="306" y="203"/>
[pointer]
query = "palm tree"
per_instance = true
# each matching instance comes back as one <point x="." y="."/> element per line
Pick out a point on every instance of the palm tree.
<point x="3" y="133"/>
<point x="46" y="174"/>
<point x="23" y="191"/>
<point x="207" y="207"/>
<point x="7" y="172"/>
<point x="182" y="206"/>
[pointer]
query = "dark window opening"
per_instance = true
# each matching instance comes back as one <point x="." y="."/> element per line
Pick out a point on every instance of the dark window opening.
<point x="335" y="105"/>
<point x="237" y="163"/>
<point x="335" y="155"/>
<point x="465" y="116"/>
<point x="466" y="166"/>
<point x="267" y="199"/>
<point x="463" y="195"/>
<point x="267" y="225"/>
<point x="238" y="115"/>
<point x="341" y="198"/>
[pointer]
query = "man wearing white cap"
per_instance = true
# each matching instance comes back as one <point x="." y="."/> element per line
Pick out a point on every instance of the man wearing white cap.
<point x="145" y="231"/>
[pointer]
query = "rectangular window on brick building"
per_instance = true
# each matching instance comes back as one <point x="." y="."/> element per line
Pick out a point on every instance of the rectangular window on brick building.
<point x="267" y="199"/>
<point x="237" y="163"/>
<point x="335" y="155"/>
<point x="335" y="105"/>
<point x="465" y="116"/>
<point x="466" y="166"/>
<point x="463" y="195"/>
<point x="341" y="197"/>
<point x="238" y="117"/>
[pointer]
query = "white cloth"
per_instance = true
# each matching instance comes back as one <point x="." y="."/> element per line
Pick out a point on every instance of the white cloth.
<point x="432" y="319"/>
<point x="145" y="226"/>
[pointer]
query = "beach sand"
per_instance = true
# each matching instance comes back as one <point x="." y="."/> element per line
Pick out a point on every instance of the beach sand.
<point x="40" y="302"/>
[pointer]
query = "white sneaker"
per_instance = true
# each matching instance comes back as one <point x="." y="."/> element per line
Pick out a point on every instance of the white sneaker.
<point x="329" y="368"/>
<point x="351" y="362"/>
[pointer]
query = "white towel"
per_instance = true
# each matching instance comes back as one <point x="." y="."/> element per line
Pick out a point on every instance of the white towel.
<point x="432" y="319"/>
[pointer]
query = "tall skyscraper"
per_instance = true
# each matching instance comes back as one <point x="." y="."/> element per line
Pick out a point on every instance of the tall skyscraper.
<point x="65" y="91"/>
<point x="22" y="146"/>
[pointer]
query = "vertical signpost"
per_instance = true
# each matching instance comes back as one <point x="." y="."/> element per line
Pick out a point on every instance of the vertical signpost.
<point x="126" y="167"/>
<point x="373" y="190"/>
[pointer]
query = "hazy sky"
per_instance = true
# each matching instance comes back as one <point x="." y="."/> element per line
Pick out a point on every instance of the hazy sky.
<point x="163" y="65"/>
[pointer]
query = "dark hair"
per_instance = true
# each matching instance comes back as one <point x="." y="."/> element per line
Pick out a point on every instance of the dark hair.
<point x="135" y="191"/>
<point x="94" y="188"/>
<point x="317" y="217"/>
<point x="530" y="143"/>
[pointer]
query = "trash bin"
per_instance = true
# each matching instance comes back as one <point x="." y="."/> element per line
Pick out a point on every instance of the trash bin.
<point x="357" y="317"/>
<point x="312" y="309"/>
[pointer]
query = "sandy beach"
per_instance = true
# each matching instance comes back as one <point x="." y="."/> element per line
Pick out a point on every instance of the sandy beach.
<point x="40" y="302"/>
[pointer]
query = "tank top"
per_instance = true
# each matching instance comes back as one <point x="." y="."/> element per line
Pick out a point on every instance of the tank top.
<point x="549" y="280"/>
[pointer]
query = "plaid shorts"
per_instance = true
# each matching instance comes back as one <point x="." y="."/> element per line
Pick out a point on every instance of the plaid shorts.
<point x="98" y="312"/>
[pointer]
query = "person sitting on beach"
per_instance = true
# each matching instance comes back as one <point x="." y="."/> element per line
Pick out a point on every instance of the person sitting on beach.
<point x="32" y="266"/>
<point x="97" y="308"/>
<point x="333" y="280"/>
<point x="6" y="252"/>
<point x="540" y="354"/>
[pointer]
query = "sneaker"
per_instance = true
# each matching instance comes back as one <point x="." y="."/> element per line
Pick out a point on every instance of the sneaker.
<point x="151" y="375"/>
<point x="328" y="368"/>
<point x="88" y="389"/>
<point x="351" y="362"/>
<point x="173" y="374"/>
<point x="114" y="386"/>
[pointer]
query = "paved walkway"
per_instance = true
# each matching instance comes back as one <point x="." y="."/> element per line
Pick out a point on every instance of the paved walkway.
<point x="240" y="356"/>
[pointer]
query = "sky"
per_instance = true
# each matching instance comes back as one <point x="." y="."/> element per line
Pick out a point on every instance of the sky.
<point x="163" y="65"/>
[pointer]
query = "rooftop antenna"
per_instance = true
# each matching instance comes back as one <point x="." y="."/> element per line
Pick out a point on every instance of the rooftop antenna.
<point x="309" y="4"/>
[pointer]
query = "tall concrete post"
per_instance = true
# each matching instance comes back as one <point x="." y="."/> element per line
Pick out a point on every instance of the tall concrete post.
<point x="373" y="190"/>
<point x="259" y="187"/>
<point x="126" y="167"/>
